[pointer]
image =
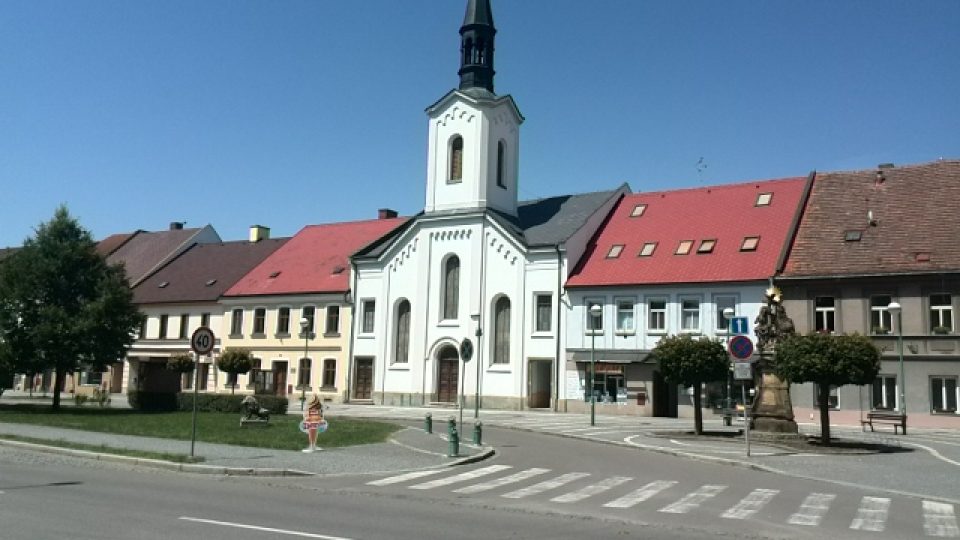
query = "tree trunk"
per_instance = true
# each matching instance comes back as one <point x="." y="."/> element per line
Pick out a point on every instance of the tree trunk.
<point x="57" y="385"/>
<point x="697" y="412"/>
<point x="824" y="404"/>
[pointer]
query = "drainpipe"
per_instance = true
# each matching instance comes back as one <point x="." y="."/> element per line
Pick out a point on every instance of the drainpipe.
<point x="556" y="333"/>
<point x="353" y="329"/>
<point x="483" y="290"/>
<point x="383" y="350"/>
<point x="426" y="328"/>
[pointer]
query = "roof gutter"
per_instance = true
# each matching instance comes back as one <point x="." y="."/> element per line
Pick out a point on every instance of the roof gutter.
<point x="556" y="364"/>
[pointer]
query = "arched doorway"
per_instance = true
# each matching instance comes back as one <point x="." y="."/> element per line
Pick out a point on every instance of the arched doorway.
<point x="448" y="374"/>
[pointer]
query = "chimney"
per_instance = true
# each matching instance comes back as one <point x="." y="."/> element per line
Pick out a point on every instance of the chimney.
<point x="176" y="225"/>
<point x="386" y="213"/>
<point x="259" y="232"/>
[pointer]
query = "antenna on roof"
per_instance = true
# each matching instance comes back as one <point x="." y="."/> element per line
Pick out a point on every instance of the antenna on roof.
<point x="701" y="165"/>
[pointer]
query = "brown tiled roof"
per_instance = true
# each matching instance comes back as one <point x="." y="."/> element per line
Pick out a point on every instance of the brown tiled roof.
<point x="113" y="242"/>
<point x="146" y="250"/>
<point x="908" y="219"/>
<point x="204" y="272"/>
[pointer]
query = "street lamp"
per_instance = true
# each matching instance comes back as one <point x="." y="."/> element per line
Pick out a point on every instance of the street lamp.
<point x="305" y="331"/>
<point x="894" y="309"/>
<point x="728" y="314"/>
<point x="596" y="310"/>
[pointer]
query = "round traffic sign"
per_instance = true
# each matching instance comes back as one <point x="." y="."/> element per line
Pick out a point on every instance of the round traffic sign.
<point x="466" y="349"/>
<point x="741" y="347"/>
<point x="202" y="340"/>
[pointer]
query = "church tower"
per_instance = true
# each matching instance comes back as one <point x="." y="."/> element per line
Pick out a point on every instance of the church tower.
<point x="474" y="145"/>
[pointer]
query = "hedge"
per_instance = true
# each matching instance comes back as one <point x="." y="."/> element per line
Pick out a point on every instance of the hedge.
<point x="229" y="402"/>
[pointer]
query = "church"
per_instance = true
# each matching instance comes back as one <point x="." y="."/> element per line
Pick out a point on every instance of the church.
<point x="466" y="297"/>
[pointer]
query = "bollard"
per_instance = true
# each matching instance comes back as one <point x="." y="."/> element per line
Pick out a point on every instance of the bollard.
<point x="453" y="439"/>
<point x="477" y="432"/>
<point x="428" y="423"/>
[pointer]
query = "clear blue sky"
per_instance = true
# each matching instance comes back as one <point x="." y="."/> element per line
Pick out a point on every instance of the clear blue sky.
<point x="285" y="113"/>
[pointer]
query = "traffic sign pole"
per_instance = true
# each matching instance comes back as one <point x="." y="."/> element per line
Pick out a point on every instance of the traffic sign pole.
<point x="201" y="342"/>
<point x="196" y="386"/>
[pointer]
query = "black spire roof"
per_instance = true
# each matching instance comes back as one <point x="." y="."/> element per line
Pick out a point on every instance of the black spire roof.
<point x="476" y="46"/>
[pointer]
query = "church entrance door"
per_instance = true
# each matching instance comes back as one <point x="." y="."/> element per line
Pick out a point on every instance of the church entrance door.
<point x="448" y="375"/>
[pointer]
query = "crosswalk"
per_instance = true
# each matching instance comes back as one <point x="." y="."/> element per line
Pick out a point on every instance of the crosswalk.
<point x="620" y="492"/>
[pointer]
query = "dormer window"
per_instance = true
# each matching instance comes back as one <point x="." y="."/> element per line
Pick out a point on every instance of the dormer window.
<point x="647" y="249"/>
<point x="684" y="247"/>
<point x="273" y="275"/>
<point x="615" y="251"/>
<point x="163" y="284"/>
<point x="750" y="243"/>
<point x="210" y="282"/>
<point x="638" y="210"/>
<point x="852" y="236"/>
<point x="764" y="199"/>
<point x="456" y="160"/>
<point x="706" y="246"/>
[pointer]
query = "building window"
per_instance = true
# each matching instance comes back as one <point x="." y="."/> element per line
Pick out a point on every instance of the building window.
<point x="402" y="333"/>
<point x="254" y="374"/>
<point x="501" y="157"/>
<point x="91" y="378"/>
<point x="750" y="243"/>
<point x="236" y="322"/>
<point x="544" y="315"/>
<point x="259" y="321"/>
<point x="329" y="373"/>
<point x="764" y="199"/>
<point x="625" y="319"/>
<point x="231" y="381"/>
<point x="884" y="396"/>
<point x="722" y="303"/>
<point x="689" y="315"/>
<point x="594" y="324"/>
<point x="308" y="313"/>
<point x="852" y="236"/>
<point x="647" y="249"/>
<point x="825" y="314"/>
<point x="303" y="373"/>
<point x="283" y="321"/>
<point x="143" y="328"/>
<point x="943" y="394"/>
<point x="456" y="160"/>
<point x="184" y="325"/>
<point x="684" y="247"/>
<point x="833" y="401"/>
<point x="333" y="320"/>
<point x="501" y="331"/>
<point x="941" y="313"/>
<point x="163" y="327"/>
<point x="706" y="246"/>
<point x="451" y="287"/>
<point x="615" y="251"/>
<point x="369" y="316"/>
<point x="657" y="315"/>
<point x="638" y="210"/>
<point x="205" y="320"/>
<point x="881" y="321"/>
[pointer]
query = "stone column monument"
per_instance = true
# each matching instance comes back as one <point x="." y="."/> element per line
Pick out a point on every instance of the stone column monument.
<point x="772" y="411"/>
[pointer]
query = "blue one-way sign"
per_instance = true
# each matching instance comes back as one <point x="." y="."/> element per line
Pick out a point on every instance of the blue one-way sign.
<point x="739" y="326"/>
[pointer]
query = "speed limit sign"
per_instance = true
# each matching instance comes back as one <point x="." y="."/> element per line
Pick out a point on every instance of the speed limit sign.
<point x="202" y="340"/>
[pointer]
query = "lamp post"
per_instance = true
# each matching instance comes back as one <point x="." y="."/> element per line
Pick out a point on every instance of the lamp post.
<point x="895" y="309"/>
<point x="305" y="331"/>
<point x="476" y="396"/>
<point x="596" y="311"/>
<point x="728" y="314"/>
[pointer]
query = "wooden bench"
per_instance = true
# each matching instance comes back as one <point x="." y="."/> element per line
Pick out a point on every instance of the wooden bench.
<point x="885" y="417"/>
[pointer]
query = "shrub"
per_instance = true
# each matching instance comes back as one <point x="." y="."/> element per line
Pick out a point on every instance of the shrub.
<point x="152" y="401"/>
<point x="229" y="402"/>
<point x="79" y="400"/>
<point x="181" y="363"/>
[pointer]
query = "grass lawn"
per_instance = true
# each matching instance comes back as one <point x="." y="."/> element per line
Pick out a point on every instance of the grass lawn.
<point x="283" y="432"/>
<point x="104" y="449"/>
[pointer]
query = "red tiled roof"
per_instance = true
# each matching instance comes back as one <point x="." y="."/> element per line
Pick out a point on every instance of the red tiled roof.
<point x="309" y="261"/>
<point x="725" y="213"/>
<point x="907" y="219"/>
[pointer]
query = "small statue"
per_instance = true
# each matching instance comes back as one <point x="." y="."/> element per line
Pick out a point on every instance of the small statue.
<point x="253" y="409"/>
<point x="772" y="324"/>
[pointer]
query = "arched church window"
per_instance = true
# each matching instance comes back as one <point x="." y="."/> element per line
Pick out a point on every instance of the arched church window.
<point x="468" y="51"/>
<point x="456" y="160"/>
<point x="451" y="287"/>
<point x="402" y="333"/>
<point x="481" y="50"/>
<point x="501" y="331"/>
<point x="501" y="157"/>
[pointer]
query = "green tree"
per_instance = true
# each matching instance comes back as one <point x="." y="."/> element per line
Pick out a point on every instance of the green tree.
<point x="827" y="360"/>
<point x="62" y="307"/>
<point x="235" y="361"/>
<point x="181" y="363"/>
<point x="690" y="362"/>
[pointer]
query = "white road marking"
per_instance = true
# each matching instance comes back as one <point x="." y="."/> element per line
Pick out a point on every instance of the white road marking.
<point x="812" y="510"/>
<point x="264" y="529"/>
<point x="513" y="478"/>
<point x="404" y="477"/>
<point x="693" y="500"/>
<point x="939" y="520"/>
<point x="544" y="486"/>
<point x="751" y="504"/>
<point x="590" y="491"/>
<point x="872" y="514"/>
<point x="934" y="453"/>
<point x="462" y="477"/>
<point x="636" y="497"/>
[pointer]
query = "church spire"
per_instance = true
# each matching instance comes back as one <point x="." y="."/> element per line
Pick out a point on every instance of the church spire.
<point x="476" y="46"/>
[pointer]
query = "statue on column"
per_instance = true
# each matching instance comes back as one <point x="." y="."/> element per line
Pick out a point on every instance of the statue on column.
<point x="772" y="410"/>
